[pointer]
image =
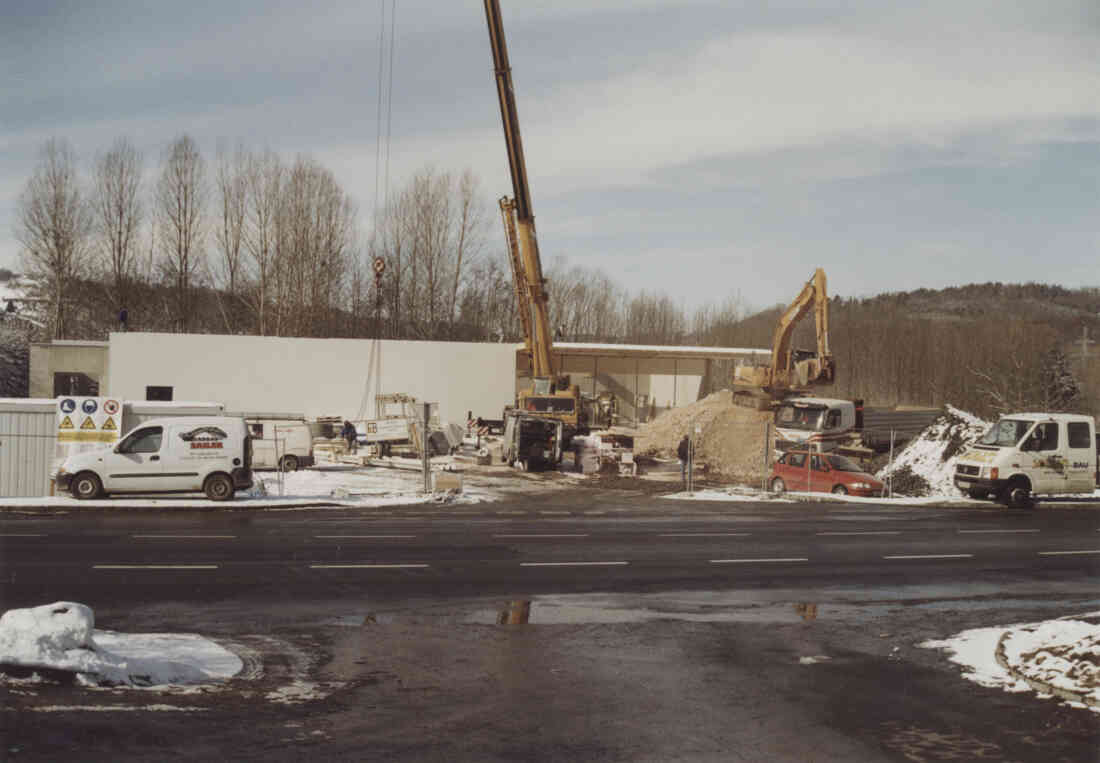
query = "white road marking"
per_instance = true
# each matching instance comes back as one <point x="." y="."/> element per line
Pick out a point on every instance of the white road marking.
<point x="367" y="566"/>
<point x="21" y="535"/>
<point x="595" y="512"/>
<point x="536" y="535"/>
<point x="866" y="532"/>
<point x="555" y="513"/>
<point x="154" y="566"/>
<point x="377" y="537"/>
<point x="751" y="561"/>
<point x="930" y="556"/>
<point x="573" y="564"/>
<point x="1000" y="531"/>
<point x="184" y="537"/>
<point x="1066" y="553"/>
<point x="704" y="535"/>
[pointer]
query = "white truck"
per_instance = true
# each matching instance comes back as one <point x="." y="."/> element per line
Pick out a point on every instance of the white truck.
<point x="280" y="443"/>
<point x="1029" y="454"/>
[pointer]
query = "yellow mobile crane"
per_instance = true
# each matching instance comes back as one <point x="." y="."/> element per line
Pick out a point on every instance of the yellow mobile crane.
<point x="550" y="396"/>
<point x="791" y="371"/>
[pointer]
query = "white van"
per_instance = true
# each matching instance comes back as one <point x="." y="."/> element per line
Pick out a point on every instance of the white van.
<point x="1024" y="454"/>
<point x="183" y="454"/>
<point x="284" y="444"/>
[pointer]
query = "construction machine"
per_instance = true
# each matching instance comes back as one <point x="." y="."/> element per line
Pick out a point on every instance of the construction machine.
<point x="791" y="371"/>
<point x="550" y="395"/>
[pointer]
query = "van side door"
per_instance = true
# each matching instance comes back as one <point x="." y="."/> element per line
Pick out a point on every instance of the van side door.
<point x="1080" y="457"/>
<point x="135" y="464"/>
<point x="1043" y="446"/>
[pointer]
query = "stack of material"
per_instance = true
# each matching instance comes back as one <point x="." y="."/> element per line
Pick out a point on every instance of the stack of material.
<point x="586" y="454"/>
<point x="731" y="444"/>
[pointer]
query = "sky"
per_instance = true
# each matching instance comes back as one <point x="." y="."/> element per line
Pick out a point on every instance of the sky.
<point x="703" y="150"/>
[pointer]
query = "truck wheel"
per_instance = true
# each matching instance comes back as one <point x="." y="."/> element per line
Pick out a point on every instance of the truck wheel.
<point x="289" y="463"/>
<point x="86" y="485"/>
<point x="779" y="487"/>
<point x="840" y="490"/>
<point x="218" y="487"/>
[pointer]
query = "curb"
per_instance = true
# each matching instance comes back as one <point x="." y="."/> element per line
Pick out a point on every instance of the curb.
<point x="1035" y="683"/>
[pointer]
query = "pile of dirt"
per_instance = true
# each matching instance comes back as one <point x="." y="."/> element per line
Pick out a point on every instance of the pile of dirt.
<point x="730" y="445"/>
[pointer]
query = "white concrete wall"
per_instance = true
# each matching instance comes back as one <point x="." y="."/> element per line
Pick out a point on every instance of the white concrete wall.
<point x="317" y="377"/>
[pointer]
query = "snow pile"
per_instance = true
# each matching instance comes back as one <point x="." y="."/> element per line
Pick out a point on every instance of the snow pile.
<point x="932" y="454"/>
<point x="62" y="636"/>
<point x="1063" y="655"/>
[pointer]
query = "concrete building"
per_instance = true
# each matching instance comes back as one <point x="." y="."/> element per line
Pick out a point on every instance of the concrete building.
<point x="340" y="377"/>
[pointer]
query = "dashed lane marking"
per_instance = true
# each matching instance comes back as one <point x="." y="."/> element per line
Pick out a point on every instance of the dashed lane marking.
<point x="930" y="556"/>
<point x="704" y="535"/>
<point x="865" y="532"/>
<point x="763" y="561"/>
<point x="22" y="535"/>
<point x="1008" y="530"/>
<point x="372" y="537"/>
<point x="184" y="537"/>
<point x="573" y="564"/>
<point x="555" y="513"/>
<point x="367" y="566"/>
<point x="536" y="535"/>
<point x="154" y="566"/>
<point x="1066" y="553"/>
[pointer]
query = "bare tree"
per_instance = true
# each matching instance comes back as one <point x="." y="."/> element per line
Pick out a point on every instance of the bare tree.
<point x="180" y="196"/>
<point x="470" y="233"/>
<point x="232" y="190"/>
<point x="118" y="212"/>
<point x="264" y="175"/>
<point x="53" y="224"/>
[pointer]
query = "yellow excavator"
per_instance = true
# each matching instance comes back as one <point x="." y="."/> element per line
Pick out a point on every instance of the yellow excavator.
<point x="791" y="371"/>
<point x="550" y="395"/>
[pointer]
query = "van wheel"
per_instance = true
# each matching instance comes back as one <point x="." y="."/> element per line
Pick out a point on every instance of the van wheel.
<point x="1018" y="497"/>
<point x="840" y="490"/>
<point x="779" y="486"/>
<point x="289" y="463"/>
<point x="218" y="487"/>
<point x="977" y="493"/>
<point x="86" y="485"/>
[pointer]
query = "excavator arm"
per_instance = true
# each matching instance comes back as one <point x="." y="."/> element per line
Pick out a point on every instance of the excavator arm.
<point x="793" y="370"/>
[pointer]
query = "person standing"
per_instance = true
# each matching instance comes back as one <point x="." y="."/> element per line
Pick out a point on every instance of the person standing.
<point x="683" y="451"/>
<point x="350" y="435"/>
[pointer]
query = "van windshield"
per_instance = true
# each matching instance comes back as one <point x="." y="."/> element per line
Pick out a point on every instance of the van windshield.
<point x="1006" y="433"/>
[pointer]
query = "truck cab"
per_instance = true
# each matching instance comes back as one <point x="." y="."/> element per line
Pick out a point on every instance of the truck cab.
<point x="1028" y="454"/>
<point x="822" y="422"/>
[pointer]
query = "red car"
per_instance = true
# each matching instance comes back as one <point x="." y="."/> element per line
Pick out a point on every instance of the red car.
<point x="826" y="473"/>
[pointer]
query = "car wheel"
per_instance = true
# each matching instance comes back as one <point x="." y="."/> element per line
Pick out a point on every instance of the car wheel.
<point x="779" y="486"/>
<point x="840" y="490"/>
<point x="218" y="487"/>
<point x="86" y="485"/>
<point x="289" y="463"/>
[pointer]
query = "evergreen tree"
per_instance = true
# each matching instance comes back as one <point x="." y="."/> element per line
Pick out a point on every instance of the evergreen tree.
<point x="1060" y="388"/>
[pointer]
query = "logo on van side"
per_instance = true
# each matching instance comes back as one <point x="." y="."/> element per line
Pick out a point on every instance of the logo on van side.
<point x="204" y="438"/>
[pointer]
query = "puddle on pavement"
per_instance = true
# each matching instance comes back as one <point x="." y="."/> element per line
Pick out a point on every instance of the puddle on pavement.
<point x="703" y="607"/>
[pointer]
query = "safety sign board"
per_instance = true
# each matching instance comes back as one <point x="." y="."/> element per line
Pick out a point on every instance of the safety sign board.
<point x="99" y="423"/>
<point x="88" y="423"/>
<point x="66" y="423"/>
<point x="109" y="425"/>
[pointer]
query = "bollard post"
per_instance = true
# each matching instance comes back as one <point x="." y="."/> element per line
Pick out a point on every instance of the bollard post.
<point x="425" y="438"/>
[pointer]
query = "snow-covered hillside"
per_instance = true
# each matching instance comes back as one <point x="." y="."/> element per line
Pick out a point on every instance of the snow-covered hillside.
<point x="932" y="454"/>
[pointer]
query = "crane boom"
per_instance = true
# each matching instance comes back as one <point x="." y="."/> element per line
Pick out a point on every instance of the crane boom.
<point x="538" y="321"/>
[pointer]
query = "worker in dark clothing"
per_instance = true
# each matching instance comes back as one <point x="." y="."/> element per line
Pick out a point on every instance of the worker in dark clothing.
<point x="350" y="435"/>
<point x="682" y="452"/>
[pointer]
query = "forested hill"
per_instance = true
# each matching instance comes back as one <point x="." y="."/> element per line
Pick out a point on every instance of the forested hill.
<point x="983" y="347"/>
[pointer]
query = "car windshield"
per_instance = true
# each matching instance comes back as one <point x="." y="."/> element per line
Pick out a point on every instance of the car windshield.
<point x="1006" y="433"/>
<point x="842" y="464"/>
<point x="799" y="416"/>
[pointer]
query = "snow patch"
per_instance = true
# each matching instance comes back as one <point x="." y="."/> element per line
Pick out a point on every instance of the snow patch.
<point x="932" y="454"/>
<point x="62" y="636"/>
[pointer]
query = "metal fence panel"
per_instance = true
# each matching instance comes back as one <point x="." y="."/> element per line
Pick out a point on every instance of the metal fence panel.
<point x="28" y="438"/>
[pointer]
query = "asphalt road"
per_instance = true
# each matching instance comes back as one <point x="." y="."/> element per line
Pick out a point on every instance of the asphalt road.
<point x="659" y="630"/>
